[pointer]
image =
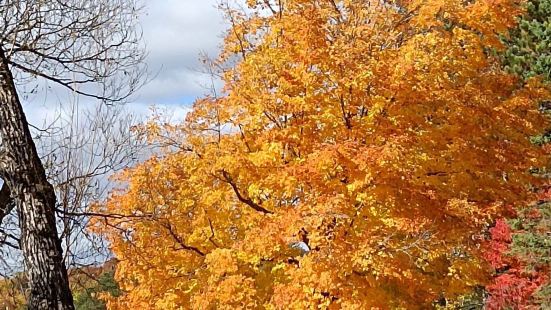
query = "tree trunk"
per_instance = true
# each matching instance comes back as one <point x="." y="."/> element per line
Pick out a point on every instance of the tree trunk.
<point x="35" y="200"/>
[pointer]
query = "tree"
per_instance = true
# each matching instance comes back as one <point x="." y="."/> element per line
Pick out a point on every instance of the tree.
<point x="89" y="294"/>
<point x="357" y="155"/>
<point x="80" y="148"/>
<point x="93" y="49"/>
<point x="519" y="249"/>
<point x="87" y="146"/>
<point x="528" y="52"/>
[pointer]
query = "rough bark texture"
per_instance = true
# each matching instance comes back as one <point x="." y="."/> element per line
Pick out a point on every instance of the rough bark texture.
<point x="34" y="198"/>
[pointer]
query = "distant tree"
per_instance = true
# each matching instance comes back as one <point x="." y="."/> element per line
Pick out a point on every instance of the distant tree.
<point x="91" y="285"/>
<point x="11" y="296"/>
<point x="90" y="298"/>
<point x="91" y="47"/>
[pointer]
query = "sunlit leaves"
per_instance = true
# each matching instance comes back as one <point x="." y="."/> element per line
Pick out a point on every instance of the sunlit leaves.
<point x="378" y="135"/>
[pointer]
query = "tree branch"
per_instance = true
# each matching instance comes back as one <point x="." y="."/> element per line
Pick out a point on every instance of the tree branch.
<point x="66" y="84"/>
<point x="228" y="179"/>
<point x="181" y="242"/>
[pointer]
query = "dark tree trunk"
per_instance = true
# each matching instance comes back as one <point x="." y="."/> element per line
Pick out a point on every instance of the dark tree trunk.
<point x="35" y="200"/>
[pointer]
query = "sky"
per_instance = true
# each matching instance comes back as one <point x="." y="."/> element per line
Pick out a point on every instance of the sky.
<point x="175" y="33"/>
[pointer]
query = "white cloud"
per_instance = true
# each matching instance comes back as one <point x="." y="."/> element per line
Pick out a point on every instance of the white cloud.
<point x="176" y="32"/>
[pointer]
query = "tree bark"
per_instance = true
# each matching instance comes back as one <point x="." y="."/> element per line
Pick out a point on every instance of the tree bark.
<point x="6" y="205"/>
<point x="35" y="200"/>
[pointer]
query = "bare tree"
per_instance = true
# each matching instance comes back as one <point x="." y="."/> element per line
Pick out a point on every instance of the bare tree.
<point x="81" y="147"/>
<point x="91" y="47"/>
<point x="87" y="149"/>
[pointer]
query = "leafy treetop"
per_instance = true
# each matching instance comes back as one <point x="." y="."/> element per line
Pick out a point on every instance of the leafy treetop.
<point x="356" y="155"/>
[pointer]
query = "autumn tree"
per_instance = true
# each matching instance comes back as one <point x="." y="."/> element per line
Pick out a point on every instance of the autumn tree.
<point x="355" y="158"/>
<point x="519" y="250"/>
<point x="89" y="47"/>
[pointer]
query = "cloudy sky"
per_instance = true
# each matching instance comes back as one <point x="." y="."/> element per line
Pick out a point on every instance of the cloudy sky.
<point x="175" y="32"/>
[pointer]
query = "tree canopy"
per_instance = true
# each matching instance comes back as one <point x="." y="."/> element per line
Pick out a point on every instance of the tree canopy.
<point x="358" y="153"/>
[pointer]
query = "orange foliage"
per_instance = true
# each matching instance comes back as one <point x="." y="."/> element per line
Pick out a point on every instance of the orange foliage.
<point x="357" y="154"/>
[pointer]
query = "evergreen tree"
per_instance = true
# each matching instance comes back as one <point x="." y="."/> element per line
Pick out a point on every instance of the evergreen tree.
<point x="528" y="52"/>
<point x="88" y="299"/>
